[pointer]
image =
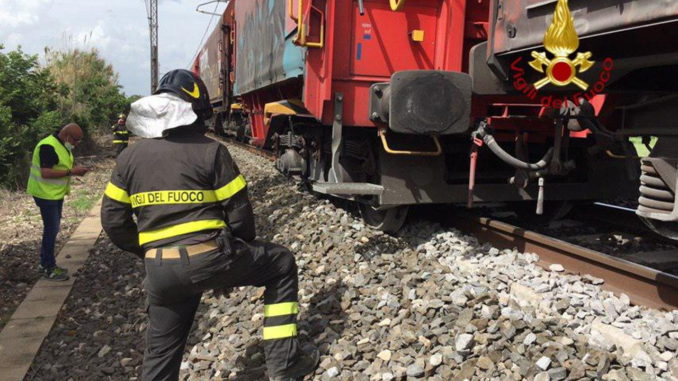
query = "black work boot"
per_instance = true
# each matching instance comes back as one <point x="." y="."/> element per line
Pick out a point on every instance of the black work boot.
<point x="305" y="365"/>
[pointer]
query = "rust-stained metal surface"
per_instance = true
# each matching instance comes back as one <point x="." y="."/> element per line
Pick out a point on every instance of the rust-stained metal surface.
<point x="212" y="61"/>
<point x="527" y="20"/>
<point x="644" y="286"/>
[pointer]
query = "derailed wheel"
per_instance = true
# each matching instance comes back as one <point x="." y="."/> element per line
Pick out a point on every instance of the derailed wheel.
<point x="387" y="220"/>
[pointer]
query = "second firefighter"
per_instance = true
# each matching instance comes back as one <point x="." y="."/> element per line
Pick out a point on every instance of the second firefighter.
<point x="120" y="135"/>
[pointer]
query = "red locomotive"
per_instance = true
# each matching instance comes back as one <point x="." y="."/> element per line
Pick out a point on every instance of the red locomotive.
<point x="381" y="101"/>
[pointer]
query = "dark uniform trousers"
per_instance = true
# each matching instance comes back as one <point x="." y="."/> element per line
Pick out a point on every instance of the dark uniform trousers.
<point x="120" y="140"/>
<point x="175" y="286"/>
<point x="119" y="147"/>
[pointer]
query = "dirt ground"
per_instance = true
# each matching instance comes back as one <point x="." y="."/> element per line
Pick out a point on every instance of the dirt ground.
<point x="21" y="231"/>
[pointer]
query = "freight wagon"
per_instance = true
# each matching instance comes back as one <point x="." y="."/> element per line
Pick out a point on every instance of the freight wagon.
<point x="395" y="103"/>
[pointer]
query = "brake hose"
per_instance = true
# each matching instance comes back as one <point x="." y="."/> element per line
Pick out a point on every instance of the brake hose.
<point x="506" y="157"/>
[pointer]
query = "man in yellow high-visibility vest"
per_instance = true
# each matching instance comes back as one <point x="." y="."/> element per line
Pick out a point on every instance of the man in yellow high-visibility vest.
<point x="48" y="183"/>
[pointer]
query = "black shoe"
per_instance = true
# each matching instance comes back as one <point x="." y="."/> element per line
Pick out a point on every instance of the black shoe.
<point x="305" y="364"/>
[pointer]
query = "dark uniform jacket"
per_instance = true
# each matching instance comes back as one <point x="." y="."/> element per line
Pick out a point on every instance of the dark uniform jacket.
<point x="182" y="189"/>
<point x="120" y="133"/>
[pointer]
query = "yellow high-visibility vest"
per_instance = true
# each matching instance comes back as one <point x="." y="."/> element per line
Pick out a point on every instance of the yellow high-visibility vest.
<point x="50" y="189"/>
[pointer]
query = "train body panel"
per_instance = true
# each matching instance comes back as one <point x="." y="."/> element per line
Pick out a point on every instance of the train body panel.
<point x="266" y="54"/>
<point x="211" y="63"/>
<point x="363" y="49"/>
<point x="520" y="24"/>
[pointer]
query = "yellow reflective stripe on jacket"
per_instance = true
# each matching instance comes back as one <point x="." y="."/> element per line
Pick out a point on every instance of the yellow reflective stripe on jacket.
<point x="120" y="132"/>
<point x="117" y="194"/>
<point x="40" y="179"/>
<point x="228" y="190"/>
<point x="179" y="229"/>
<point x="119" y="141"/>
<point x="171" y="197"/>
<point x="281" y="309"/>
<point x="36" y="174"/>
<point x="280" y="331"/>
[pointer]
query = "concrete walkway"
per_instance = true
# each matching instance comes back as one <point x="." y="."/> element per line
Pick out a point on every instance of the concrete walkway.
<point x="24" y="333"/>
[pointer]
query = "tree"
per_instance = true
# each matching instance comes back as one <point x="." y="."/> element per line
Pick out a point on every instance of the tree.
<point x="27" y="110"/>
<point x="93" y="99"/>
<point x="75" y="86"/>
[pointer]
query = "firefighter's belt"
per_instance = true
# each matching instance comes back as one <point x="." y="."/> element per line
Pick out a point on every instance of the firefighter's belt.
<point x="174" y="252"/>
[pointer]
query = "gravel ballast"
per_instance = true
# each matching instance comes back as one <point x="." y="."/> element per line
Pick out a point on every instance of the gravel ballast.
<point x="429" y="304"/>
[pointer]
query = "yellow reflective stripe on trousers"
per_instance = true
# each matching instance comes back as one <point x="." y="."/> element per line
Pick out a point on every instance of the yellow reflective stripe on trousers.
<point x="228" y="190"/>
<point x="179" y="229"/>
<point x="280" y="331"/>
<point x="117" y="194"/>
<point x="119" y="141"/>
<point x="281" y="309"/>
<point x="170" y="197"/>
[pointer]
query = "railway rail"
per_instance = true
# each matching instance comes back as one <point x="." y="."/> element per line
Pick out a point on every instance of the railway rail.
<point x="644" y="285"/>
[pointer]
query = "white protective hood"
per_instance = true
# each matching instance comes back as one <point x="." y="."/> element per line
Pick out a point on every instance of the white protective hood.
<point x="151" y="116"/>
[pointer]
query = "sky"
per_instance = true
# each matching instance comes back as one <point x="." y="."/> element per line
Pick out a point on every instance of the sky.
<point x="117" y="28"/>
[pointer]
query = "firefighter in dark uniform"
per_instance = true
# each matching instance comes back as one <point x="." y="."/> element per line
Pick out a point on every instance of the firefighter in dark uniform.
<point x="195" y="231"/>
<point x="120" y="135"/>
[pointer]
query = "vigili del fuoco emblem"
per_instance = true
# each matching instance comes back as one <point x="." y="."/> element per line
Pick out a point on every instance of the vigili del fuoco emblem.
<point x="561" y="40"/>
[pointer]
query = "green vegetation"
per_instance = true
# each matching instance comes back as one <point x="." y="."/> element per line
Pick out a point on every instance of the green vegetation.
<point x="93" y="98"/>
<point x="73" y="86"/>
<point x="84" y="200"/>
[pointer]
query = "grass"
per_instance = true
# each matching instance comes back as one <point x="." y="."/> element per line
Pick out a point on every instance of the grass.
<point x="83" y="201"/>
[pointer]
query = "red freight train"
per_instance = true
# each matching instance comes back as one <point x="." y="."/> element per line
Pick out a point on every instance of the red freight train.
<point x="391" y="103"/>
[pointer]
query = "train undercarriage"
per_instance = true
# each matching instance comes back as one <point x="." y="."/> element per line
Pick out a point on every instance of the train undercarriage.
<point x="386" y="172"/>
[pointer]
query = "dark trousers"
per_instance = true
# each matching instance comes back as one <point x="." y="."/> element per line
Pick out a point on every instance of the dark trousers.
<point x="175" y="286"/>
<point x="50" y="210"/>
<point x="119" y="147"/>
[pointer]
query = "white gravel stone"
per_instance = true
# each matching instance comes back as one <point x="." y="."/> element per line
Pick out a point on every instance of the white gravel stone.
<point x="436" y="359"/>
<point x="530" y="338"/>
<point x="385" y="355"/>
<point x="104" y="351"/>
<point x="332" y="372"/>
<point x="463" y="342"/>
<point x="543" y="363"/>
<point x="556" y="267"/>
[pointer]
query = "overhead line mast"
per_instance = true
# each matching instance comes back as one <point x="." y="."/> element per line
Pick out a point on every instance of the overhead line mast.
<point x="153" y="25"/>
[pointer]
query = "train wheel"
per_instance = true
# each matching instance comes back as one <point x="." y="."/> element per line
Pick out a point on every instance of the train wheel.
<point x="668" y="229"/>
<point x="387" y="220"/>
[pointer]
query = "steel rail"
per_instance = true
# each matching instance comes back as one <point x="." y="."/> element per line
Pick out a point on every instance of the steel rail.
<point x="644" y="286"/>
<point x="258" y="151"/>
